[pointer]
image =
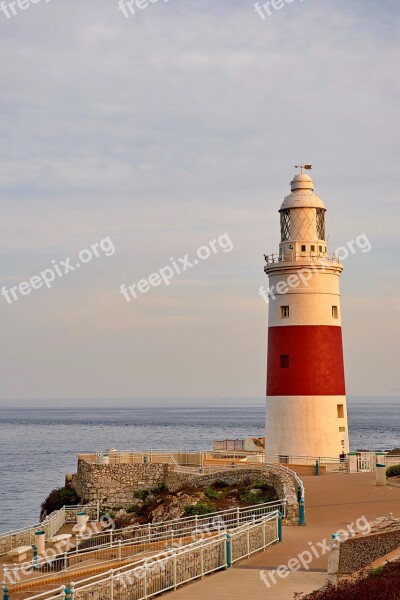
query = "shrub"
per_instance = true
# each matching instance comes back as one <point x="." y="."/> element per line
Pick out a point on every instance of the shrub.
<point x="141" y="494"/>
<point x="212" y="494"/>
<point x="58" y="498"/>
<point x="375" y="572"/>
<point x="200" y="508"/>
<point x="160" y="488"/>
<point x="393" y="471"/>
<point x="134" y="508"/>
<point x="221" y="484"/>
<point x="383" y="584"/>
<point x="260" y="485"/>
<point x="251" y="497"/>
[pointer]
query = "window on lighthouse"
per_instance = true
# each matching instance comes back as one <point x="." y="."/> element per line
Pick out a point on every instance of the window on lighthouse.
<point x="335" y="313"/>
<point x="284" y="361"/>
<point x="284" y="312"/>
<point x="321" y="223"/>
<point x="285" y="224"/>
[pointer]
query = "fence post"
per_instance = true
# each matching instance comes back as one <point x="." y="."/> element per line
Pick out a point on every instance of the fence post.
<point x="111" y="584"/>
<point x="317" y="467"/>
<point x="98" y="510"/>
<point x="302" y="512"/>
<point x="172" y="538"/>
<point x="202" y="560"/>
<point x="174" y="571"/>
<point x="248" y="540"/>
<point x="279" y="526"/>
<point x="65" y="561"/>
<point x="119" y="549"/>
<point x="63" y="592"/>
<point x="228" y="545"/>
<point x="237" y="516"/>
<point x="72" y="589"/>
<point x="77" y="541"/>
<point x="111" y="537"/>
<point x="35" y="558"/>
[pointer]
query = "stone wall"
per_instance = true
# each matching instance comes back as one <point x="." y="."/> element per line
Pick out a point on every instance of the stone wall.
<point x="279" y="480"/>
<point x="115" y="484"/>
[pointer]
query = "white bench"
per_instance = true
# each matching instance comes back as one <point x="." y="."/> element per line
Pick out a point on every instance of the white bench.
<point x="60" y="540"/>
<point x="63" y="537"/>
<point x="20" y="554"/>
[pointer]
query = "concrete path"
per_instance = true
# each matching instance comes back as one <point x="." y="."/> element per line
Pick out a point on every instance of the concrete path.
<point x="245" y="583"/>
<point x="333" y="502"/>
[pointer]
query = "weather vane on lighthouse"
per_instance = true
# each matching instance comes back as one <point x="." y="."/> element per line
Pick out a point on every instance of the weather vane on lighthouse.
<point x="302" y="167"/>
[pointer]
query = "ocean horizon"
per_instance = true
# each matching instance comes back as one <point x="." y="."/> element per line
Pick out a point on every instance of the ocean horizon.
<point x="40" y="440"/>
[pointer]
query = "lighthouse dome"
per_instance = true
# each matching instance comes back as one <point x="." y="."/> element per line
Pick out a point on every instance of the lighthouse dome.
<point x="302" y="195"/>
<point x="302" y="181"/>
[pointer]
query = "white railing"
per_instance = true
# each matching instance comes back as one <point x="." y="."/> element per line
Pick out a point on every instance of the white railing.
<point x="391" y="459"/>
<point x="174" y="567"/>
<point x="232" y="517"/>
<point x="124" y="543"/>
<point x="50" y="525"/>
<point x="273" y="258"/>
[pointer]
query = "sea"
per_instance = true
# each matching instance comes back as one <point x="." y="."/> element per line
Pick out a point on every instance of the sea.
<point x="39" y="442"/>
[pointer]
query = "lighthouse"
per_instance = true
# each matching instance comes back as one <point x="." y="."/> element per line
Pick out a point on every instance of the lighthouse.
<point x="306" y="399"/>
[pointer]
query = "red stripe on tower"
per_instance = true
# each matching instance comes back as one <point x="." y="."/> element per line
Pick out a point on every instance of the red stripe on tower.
<point x="312" y="356"/>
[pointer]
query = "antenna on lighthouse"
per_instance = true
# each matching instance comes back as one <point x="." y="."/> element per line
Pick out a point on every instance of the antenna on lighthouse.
<point x="302" y="167"/>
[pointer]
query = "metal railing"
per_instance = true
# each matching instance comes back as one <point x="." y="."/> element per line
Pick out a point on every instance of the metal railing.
<point x="124" y="543"/>
<point x="174" y="567"/>
<point x="272" y="259"/>
<point x="50" y="525"/>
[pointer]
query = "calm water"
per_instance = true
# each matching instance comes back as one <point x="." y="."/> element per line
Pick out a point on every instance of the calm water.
<point x="38" y="446"/>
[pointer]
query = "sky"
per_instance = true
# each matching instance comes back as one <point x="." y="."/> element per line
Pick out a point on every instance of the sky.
<point x="161" y="131"/>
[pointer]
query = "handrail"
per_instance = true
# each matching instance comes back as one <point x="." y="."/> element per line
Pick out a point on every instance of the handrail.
<point x="273" y="258"/>
<point x="51" y="524"/>
<point x="160" y="558"/>
<point x="171" y="530"/>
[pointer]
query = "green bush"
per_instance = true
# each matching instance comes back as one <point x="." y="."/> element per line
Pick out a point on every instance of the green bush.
<point x="134" y="508"/>
<point x="58" y="498"/>
<point x="251" y="497"/>
<point x="260" y="485"/>
<point x="212" y="494"/>
<point x="393" y="471"/>
<point x="160" y="488"/>
<point x="141" y="494"/>
<point x="221" y="484"/>
<point x="200" y="508"/>
<point x="375" y="572"/>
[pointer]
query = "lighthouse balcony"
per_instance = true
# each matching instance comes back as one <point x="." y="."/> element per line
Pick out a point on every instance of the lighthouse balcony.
<point x="316" y="257"/>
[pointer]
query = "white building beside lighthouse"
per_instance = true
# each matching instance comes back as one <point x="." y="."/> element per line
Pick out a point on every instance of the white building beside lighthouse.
<point x="306" y="398"/>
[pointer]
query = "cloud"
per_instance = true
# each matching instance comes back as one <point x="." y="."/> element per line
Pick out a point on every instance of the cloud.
<point x="163" y="131"/>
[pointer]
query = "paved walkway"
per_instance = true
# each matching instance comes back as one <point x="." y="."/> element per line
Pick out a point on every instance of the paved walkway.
<point x="332" y="502"/>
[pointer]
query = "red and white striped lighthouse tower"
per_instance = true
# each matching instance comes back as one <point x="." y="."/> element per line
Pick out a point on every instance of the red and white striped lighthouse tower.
<point x="306" y="402"/>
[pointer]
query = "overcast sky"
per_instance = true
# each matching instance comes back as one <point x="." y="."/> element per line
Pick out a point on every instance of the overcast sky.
<point x="163" y="131"/>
